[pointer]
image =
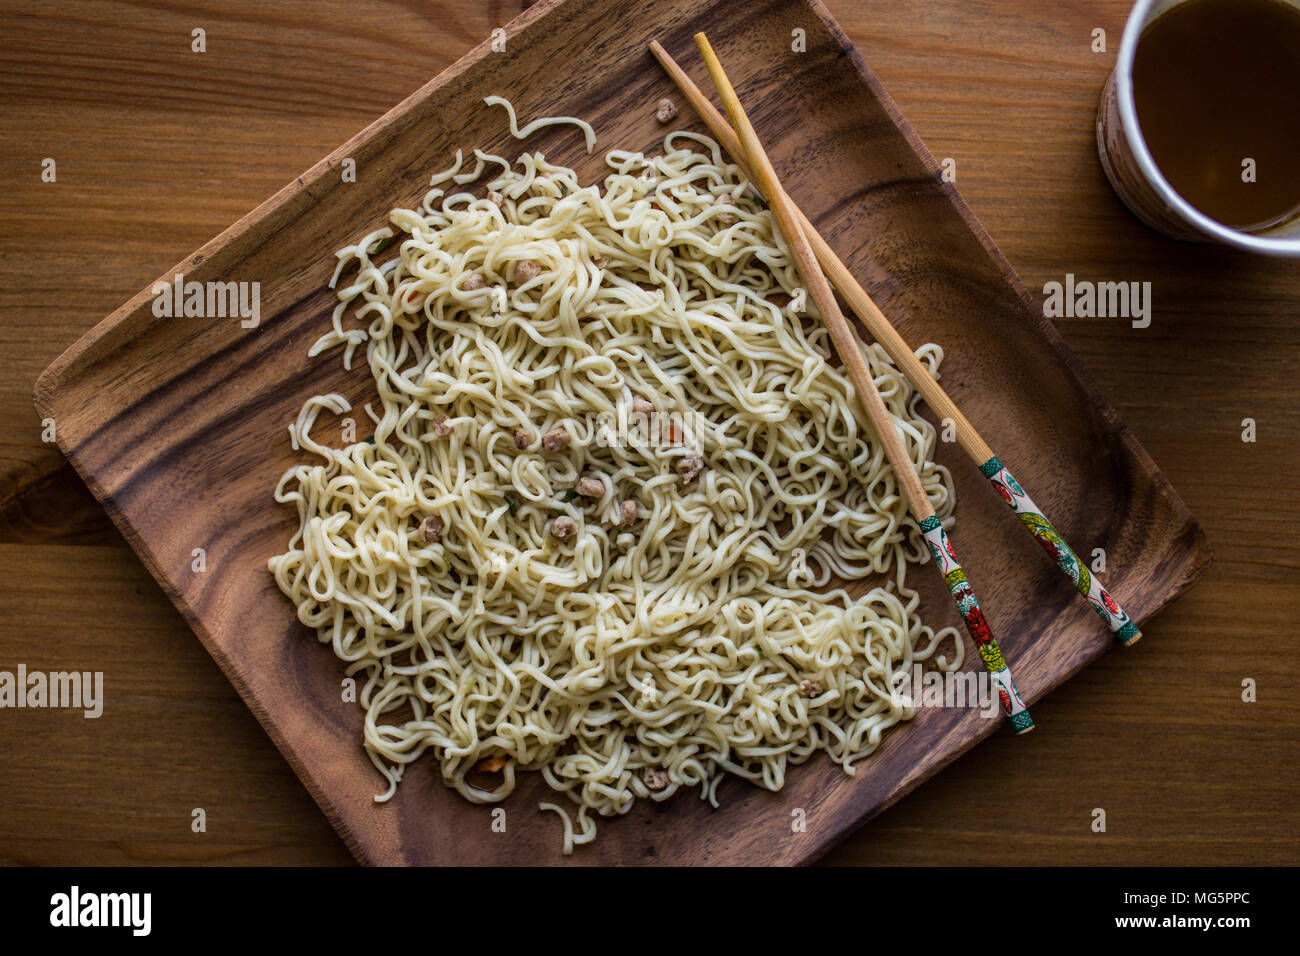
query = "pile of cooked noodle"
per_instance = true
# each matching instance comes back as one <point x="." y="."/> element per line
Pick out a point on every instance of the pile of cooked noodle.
<point x="614" y="473"/>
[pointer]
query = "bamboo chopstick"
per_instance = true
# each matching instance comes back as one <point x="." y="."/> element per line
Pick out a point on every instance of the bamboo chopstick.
<point x="850" y="352"/>
<point x="1124" y="627"/>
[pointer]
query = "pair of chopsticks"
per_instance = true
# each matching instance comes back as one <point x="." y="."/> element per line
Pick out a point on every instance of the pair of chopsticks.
<point x="808" y="247"/>
<point x="1124" y="627"/>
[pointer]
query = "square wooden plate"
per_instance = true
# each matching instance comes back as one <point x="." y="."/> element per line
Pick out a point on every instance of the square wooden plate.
<point x="178" y="424"/>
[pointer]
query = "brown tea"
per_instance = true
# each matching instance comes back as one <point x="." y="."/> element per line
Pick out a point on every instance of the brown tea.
<point x="1216" y="83"/>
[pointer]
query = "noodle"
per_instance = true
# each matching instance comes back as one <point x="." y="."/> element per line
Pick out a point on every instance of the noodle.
<point x="588" y="133"/>
<point x="613" y="473"/>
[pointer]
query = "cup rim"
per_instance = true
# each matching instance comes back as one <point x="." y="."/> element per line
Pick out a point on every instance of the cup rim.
<point x="1267" y="245"/>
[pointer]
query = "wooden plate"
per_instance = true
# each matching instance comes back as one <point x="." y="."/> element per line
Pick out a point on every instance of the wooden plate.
<point x="178" y="424"/>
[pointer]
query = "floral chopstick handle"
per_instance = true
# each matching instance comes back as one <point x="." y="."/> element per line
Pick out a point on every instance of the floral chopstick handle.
<point x="1012" y="703"/>
<point x="1089" y="586"/>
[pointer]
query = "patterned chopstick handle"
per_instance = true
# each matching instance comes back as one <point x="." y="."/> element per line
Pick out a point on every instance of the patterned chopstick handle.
<point x="1124" y="626"/>
<point x="1012" y="704"/>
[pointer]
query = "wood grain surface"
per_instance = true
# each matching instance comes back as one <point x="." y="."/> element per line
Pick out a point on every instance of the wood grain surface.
<point x="146" y="133"/>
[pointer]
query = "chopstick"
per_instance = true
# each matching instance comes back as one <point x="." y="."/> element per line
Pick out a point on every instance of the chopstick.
<point x="850" y="352"/>
<point x="1030" y="515"/>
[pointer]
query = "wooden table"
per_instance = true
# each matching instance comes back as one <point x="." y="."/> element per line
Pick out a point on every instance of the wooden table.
<point x="157" y="148"/>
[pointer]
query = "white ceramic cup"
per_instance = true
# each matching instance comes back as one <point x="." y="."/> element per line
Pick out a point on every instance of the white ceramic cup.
<point x="1134" y="174"/>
